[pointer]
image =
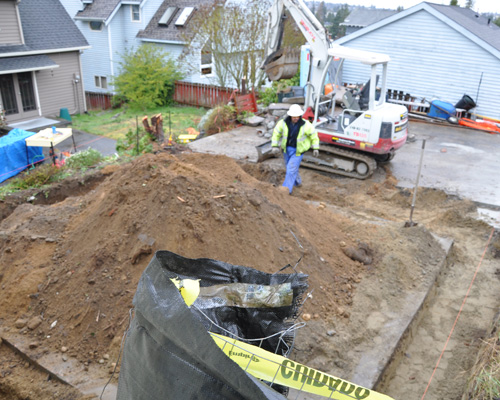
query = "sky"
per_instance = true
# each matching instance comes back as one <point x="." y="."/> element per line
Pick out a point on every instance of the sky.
<point x="482" y="6"/>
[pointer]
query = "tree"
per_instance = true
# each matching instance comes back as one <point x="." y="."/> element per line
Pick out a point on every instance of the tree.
<point x="454" y="3"/>
<point x="497" y="21"/>
<point x="334" y="21"/>
<point x="321" y="13"/>
<point x="147" y="77"/>
<point x="233" y="35"/>
<point x="469" y="4"/>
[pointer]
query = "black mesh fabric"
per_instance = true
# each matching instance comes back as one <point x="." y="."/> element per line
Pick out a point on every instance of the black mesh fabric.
<point x="168" y="353"/>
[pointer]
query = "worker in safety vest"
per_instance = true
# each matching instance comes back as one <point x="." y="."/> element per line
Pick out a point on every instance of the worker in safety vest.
<point x="298" y="136"/>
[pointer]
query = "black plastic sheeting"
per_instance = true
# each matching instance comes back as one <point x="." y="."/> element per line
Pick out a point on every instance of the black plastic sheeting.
<point x="168" y="353"/>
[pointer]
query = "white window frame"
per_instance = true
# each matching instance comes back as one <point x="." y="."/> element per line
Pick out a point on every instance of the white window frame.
<point x="100" y="82"/>
<point x="208" y="65"/>
<point x="137" y="12"/>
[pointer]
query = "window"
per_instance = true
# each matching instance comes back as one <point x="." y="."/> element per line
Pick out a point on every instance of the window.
<point x="185" y="14"/>
<point x="101" y="82"/>
<point x="8" y="94"/>
<point x="96" y="25"/>
<point x="167" y="16"/>
<point x="136" y="13"/>
<point x="25" y="80"/>
<point x="206" y="60"/>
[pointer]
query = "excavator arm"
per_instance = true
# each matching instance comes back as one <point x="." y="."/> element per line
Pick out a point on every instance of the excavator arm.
<point x="282" y="63"/>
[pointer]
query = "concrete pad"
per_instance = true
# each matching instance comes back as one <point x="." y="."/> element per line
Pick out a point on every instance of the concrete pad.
<point x="36" y="124"/>
<point x="238" y="143"/>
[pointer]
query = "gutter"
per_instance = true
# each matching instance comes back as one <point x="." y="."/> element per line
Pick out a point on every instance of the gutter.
<point x="42" y="52"/>
<point x="17" y="71"/>
<point x="162" y="41"/>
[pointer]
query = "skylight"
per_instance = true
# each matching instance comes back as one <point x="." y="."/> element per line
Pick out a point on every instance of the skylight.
<point x="167" y="16"/>
<point x="185" y="14"/>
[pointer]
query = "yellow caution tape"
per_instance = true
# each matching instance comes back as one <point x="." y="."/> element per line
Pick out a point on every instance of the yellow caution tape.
<point x="277" y="369"/>
<point x="189" y="288"/>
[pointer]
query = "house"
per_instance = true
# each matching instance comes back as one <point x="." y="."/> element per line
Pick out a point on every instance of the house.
<point x="114" y="27"/>
<point x="361" y="17"/>
<point x="169" y="27"/>
<point x="40" y="70"/>
<point x="111" y="27"/>
<point x="437" y="52"/>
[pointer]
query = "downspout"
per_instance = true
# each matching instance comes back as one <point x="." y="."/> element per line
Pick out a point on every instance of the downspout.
<point x="110" y="51"/>
<point x="81" y="83"/>
<point x="37" y="95"/>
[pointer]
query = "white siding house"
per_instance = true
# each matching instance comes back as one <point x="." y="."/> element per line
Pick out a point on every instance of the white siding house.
<point x="437" y="52"/>
<point x="113" y="27"/>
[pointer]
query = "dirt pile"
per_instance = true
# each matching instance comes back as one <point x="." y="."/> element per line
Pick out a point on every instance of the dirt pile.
<point x="69" y="268"/>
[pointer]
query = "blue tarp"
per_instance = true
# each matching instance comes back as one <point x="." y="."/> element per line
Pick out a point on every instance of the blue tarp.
<point x="13" y="158"/>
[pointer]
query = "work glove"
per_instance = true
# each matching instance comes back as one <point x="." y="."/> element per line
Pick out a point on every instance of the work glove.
<point x="315" y="153"/>
<point x="276" y="151"/>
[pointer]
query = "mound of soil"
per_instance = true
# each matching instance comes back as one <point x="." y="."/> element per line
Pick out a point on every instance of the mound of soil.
<point x="69" y="267"/>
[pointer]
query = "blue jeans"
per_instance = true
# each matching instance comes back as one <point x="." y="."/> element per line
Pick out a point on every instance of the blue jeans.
<point x="292" y="163"/>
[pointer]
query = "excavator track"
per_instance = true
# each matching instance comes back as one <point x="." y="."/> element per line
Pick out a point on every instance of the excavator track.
<point x="339" y="161"/>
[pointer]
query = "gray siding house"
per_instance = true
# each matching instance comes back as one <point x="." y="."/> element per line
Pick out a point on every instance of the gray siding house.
<point x="361" y="17"/>
<point x="437" y="52"/>
<point x="40" y="71"/>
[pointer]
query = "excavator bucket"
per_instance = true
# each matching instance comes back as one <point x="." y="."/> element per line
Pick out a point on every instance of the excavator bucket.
<point x="282" y="64"/>
<point x="264" y="151"/>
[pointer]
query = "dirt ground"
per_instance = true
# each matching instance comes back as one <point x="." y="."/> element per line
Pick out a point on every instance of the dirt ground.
<point x="71" y="257"/>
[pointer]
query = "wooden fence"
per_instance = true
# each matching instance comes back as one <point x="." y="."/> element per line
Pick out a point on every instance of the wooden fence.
<point x="98" y="101"/>
<point x="201" y="95"/>
<point x="193" y="94"/>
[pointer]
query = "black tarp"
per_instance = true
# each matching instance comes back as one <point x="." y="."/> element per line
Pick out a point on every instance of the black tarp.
<point x="168" y="353"/>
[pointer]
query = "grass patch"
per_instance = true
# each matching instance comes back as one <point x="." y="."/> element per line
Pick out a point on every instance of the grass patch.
<point x="484" y="383"/>
<point x="116" y="123"/>
<point x="47" y="174"/>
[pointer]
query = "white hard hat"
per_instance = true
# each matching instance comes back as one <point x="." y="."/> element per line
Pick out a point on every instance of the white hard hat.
<point x="295" y="111"/>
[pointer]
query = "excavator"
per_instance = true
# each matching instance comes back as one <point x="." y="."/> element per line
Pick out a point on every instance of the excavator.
<point x="368" y="129"/>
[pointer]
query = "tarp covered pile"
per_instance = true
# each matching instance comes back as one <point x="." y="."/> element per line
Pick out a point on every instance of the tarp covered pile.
<point x="168" y="352"/>
<point x="15" y="156"/>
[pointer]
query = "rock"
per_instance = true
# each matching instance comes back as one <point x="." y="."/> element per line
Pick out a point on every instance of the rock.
<point x="34" y="345"/>
<point x="64" y="349"/>
<point x="106" y="356"/>
<point x="363" y="253"/>
<point x="101" y="361"/>
<point x="254" y="120"/>
<point x="35" y="323"/>
<point x="331" y="332"/>
<point x="21" y="323"/>
<point x="278" y="107"/>
<point x="306" y="317"/>
<point x="65" y="358"/>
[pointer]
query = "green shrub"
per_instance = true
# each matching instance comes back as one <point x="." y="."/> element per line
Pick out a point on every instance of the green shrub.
<point x="135" y="143"/>
<point x="270" y="94"/>
<point x="222" y="118"/>
<point x="84" y="159"/>
<point x="147" y="77"/>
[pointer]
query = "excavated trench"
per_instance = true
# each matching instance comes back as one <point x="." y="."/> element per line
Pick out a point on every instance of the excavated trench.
<point x="392" y="338"/>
